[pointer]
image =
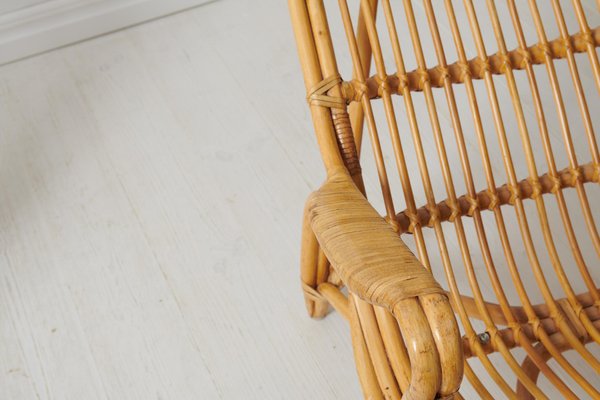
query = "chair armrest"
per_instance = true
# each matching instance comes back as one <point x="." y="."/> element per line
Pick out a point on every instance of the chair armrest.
<point x="369" y="256"/>
<point x="376" y="265"/>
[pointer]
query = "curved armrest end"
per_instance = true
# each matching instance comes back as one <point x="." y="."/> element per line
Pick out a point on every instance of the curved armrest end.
<point x="379" y="268"/>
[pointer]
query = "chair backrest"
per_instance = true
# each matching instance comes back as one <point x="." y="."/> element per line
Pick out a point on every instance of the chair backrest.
<point x="469" y="105"/>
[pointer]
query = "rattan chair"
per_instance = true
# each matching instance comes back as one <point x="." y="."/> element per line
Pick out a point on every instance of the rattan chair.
<point x="515" y="308"/>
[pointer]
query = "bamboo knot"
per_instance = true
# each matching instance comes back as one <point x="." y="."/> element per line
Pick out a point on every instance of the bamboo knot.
<point x="360" y="88"/>
<point x="423" y="77"/>
<point x="402" y="82"/>
<point x="414" y="220"/>
<point x="566" y="42"/>
<point x="515" y="193"/>
<point x="588" y="37"/>
<point x="536" y="187"/>
<point x="535" y="326"/>
<point x="473" y="205"/>
<point x="577" y="309"/>
<point x="517" y="330"/>
<point x="493" y="197"/>
<point x="383" y="86"/>
<point x="596" y="173"/>
<point x="444" y="74"/>
<point x="559" y="316"/>
<point x="525" y="57"/>
<point x="556" y="186"/>
<point x="455" y="210"/>
<point x="484" y="65"/>
<point x="465" y="70"/>
<point x="545" y="48"/>
<point x="505" y="64"/>
<point x="574" y="176"/>
<point x="317" y="95"/>
<point x="434" y="215"/>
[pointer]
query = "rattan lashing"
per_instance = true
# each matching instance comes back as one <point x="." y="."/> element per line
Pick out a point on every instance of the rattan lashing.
<point x="459" y="71"/>
<point x="405" y="328"/>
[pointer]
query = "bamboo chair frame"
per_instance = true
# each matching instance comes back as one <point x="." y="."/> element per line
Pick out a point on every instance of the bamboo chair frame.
<point x="411" y="338"/>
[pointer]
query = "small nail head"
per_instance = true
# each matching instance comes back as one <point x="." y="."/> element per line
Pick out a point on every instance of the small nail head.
<point x="484" y="337"/>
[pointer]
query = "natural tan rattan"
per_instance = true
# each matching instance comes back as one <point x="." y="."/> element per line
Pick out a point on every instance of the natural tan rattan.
<point x="415" y="338"/>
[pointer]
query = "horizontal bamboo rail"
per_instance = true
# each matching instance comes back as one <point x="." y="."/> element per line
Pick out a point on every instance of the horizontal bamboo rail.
<point x="505" y="194"/>
<point x="339" y="301"/>
<point x="353" y="90"/>
<point x="541" y="310"/>
<point x="509" y="337"/>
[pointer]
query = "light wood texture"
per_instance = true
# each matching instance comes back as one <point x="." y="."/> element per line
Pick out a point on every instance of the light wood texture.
<point x="170" y="162"/>
<point x="152" y="185"/>
<point x="379" y="269"/>
<point x="530" y="323"/>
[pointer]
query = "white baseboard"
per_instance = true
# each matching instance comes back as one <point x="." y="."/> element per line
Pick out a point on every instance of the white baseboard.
<point x="55" y="23"/>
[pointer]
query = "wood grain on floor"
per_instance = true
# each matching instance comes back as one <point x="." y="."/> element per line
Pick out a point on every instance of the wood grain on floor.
<point x="151" y="189"/>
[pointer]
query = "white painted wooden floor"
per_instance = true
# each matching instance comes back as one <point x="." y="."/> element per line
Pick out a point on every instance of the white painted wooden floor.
<point x="151" y="190"/>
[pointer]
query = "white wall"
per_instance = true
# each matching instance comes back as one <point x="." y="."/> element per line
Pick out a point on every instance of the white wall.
<point x="7" y="6"/>
<point x="32" y="26"/>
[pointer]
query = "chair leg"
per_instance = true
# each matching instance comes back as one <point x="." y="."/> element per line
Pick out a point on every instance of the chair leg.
<point x="362" y="358"/>
<point x="313" y="271"/>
